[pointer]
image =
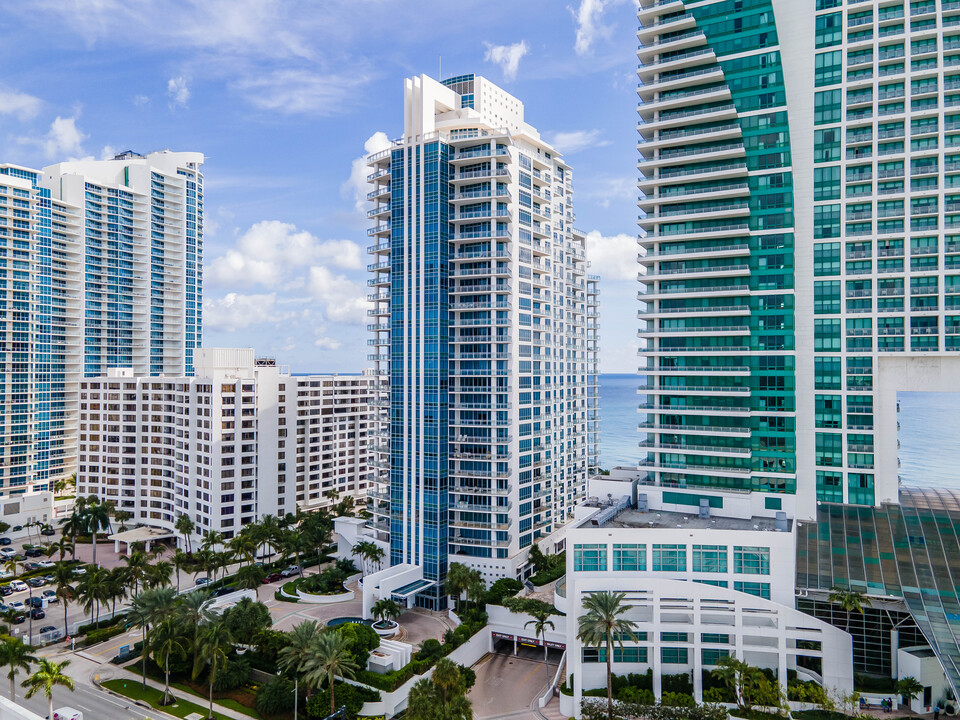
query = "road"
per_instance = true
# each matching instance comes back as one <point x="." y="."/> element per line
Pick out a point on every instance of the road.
<point x="95" y="704"/>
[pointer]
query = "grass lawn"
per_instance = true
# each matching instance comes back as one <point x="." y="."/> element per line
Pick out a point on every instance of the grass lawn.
<point x="226" y="702"/>
<point x="133" y="690"/>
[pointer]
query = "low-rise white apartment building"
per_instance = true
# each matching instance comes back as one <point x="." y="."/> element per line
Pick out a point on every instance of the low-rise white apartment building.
<point x="705" y="575"/>
<point x="240" y="439"/>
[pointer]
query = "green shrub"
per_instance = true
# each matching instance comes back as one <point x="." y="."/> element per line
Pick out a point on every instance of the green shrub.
<point x="275" y="697"/>
<point x="676" y="699"/>
<point x="233" y="675"/>
<point x="640" y="696"/>
<point x="430" y="649"/>
<point x="350" y="695"/>
<point x="502" y="589"/>
<point x="597" y="710"/>
<point x="363" y="639"/>
<point x="468" y="675"/>
<point x="679" y="683"/>
<point x="718" y="695"/>
<point x="98" y="636"/>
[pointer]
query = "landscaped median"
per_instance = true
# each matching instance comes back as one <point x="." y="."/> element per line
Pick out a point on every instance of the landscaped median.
<point x="181" y="708"/>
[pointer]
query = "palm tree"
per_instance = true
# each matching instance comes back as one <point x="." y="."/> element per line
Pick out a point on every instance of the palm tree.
<point x="850" y="601"/>
<point x="192" y="612"/>
<point x="136" y="564"/>
<point x="243" y="547"/>
<point x="295" y="656"/>
<point x="159" y="574"/>
<point x="204" y="561"/>
<point x="48" y="675"/>
<point x="181" y="561"/>
<point x="121" y="516"/>
<point x="602" y="625"/>
<point x="251" y="578"/>
<point x="212" y="540"/>
<point x="63" y="579"/>
<point x="441" y="696"/>
<point x="98" y="519"/>
<point x="184" y="525"/>
<point x="150" y="608"/>
<point x="362" y="550"/>
<point x="386" y="609"/>
<point x="459" y="578"/>
<point x="216" y="641"/>
<point x="74" y="525"/>
<point x="331" y="657"/>
<point x="63" y="546"/>
<point x="166" y="640"/>
<point x="269" y="530"/>
<point x="117" y="587"/>
<point x="94" y="589"/>
<point x="541" y="619"/>
<point x="223" y="562"/>
<point x="15" y="654"/>
<point x="376" y="555"/>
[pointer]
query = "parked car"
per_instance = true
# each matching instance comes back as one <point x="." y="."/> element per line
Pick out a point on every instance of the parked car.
<point x="223" y="591"/>
<point x="36" y="582"/>
<point x="36" y="601"/>
<point x="18" y="585"/>
<point x="272" y="577"/>
<point x="5" y="590"/>
<point x="30" y="566"/>
<point x="203" y="581"/>
<point x="50" y="596"/>
<point x="46" y="564"/>
<point x="33" y="552"/>
<point x="16" y="605"/>
<point x="7" y="553"/>
<point x="37" y="614"/>
<point x="48" y="629"/>
<point x="6" y="574"/>
<point x="48" y="531"/>
<point x="18" y="619"/>
<point x="79" y="571"/>
<point x="5" y="541"/>
<point x="50" y="579"/>
<point x="290" y="571"/>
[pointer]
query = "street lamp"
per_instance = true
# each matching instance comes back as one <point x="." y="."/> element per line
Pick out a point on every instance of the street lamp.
<point x="296" y="690"/>
<point x="143" y="645"/>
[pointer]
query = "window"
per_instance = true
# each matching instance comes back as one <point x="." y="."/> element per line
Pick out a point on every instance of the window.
<point x="826" y="145"/>
<point x="710" y="558"/>
<point x="829" y="486"/>
<point x="674" y="637"/>
<point x="715" y="638"/>
<point x="829" y="68"/>
<point x="751" y="560"/>
<point x="826" y="107"/>
<point x="712" y="656"/>
<point x="826" y="183"/>
<point x="589" y="558"/>
<point x="829" y="29"/>
<point x="629" y="558"/>
<point x="669" y="558"/>
<point x="629" y="654"/>
<point x="826" y="296"/>
<point x="673" y="655"/>
<point x="761" y="590"/>
<point x="826" y="335"/>
<point x="827" y="373"/>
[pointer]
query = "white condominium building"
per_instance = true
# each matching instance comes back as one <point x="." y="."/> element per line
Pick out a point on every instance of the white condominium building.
<point x="240" y="439"/>
<point x="99" y="268"/>
<point x="482" y="305"/>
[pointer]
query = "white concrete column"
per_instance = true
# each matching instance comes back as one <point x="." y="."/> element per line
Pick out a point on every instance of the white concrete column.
<point x="894" y="645"/>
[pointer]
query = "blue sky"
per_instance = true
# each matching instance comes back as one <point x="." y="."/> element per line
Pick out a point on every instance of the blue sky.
<point x="283" y="98"/>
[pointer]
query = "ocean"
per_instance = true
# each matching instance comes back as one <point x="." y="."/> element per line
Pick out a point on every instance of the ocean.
<point x="929" y="432"/>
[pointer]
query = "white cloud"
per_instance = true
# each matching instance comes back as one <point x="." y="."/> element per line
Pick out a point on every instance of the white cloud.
<point x="606" y="190"/>
<point x="140" y="100"/>
<point x="273" y="253"/>
<point x="328" y="343"/>
<point x="13" y="102"/>
<point x="356" y="185"/>
<point x="507" y="57"/>
<point x="64" y="140"/>
<point x="178" y="91"/>
<point x="108" y="153"/>
<point x="294" y="91"/>
<point x="571" y="142"/>
<point x="613" y="257"/>
<point x="235" y="311"/>
<point x="344" y="300"/>
<point x="588" y="21"/>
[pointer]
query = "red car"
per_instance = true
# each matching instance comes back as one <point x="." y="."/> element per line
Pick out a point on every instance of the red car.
<point x="272" y="577"/>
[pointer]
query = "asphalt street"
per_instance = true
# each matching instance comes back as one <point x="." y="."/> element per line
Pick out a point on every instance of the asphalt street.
<point x="94" y="704"/>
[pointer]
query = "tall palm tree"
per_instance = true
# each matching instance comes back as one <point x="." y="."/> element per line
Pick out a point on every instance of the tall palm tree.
<point x="15" y="654"/>
<point x="63" y="580"/>
<point x="459" y="578"/>
<point x="159" y="574"/>
<point x="117" y="587"/>
<point x="181" y="561"/>
<point x="192" y="613"/>
<point x="216" y="641"/>
<point x="212" y="540"/>
<point x="47" y="676"/>
<point x="75" y="524"/>
<point x="269" y="531"/>
<point x="386" y="609"/>
<point x="121" y="516"/>
<point x="63" y="546"/>
<point x="295" y="656"/>
<point x="362" y="551"/>
<point x="223" y="560"/>
<point x="185" y="526"/>
<point x="602" y="625"/>
<point x="166" y="640"/>
<point x="541" y="620"/>
<point x="98" y="519"/>
<point x="850" y="601"/>
<point x="136" y="564"/>
<point x="251" y="578"/>
<point x="204" y="561"/>
<point x="94" y="589"/>
<point x="376" y="555"/>
<point x="243" y="547"/>
<point x="331" y="656"/>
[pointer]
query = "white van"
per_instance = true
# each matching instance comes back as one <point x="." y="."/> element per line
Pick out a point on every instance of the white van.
<point x="67" y="713"/>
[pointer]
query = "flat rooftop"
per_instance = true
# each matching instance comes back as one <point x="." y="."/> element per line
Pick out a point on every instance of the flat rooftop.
<point x="666" y="519"/>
